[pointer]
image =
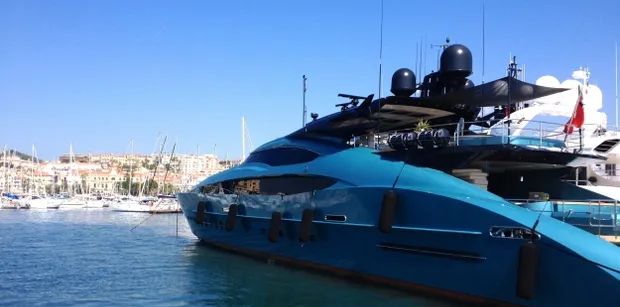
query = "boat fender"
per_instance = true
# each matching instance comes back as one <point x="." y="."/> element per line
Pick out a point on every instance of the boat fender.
<point x="200" y="212"/>
<point x="231" y="218"/>
<point x="388" y="209"/>
<point x="274" y="227"/>
<point x="305" y="228"/>
<point x="526" y="274"/>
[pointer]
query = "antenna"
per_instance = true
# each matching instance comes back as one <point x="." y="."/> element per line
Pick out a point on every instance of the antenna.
<point x="422" y="43"/>
<point x="482" y="42"/>
<point x="381" y="51"/>
<point x="417" y="51"/>
<point x="305" y="89"/>
<point x="616" y="85"/>
<point x="440" y="48"/>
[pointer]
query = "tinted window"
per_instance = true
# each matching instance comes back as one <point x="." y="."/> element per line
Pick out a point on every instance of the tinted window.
<point x="282" y="156"/>
<point x="276" y="185"/>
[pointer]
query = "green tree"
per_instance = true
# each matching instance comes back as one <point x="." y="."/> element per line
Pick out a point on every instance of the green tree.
<point x="25" y="185"/>
<point x="169" y="188"/>
<point x="84" y="185"/>
<point x="123" y="186"/>
<point x="126" y="168"/>
<point x="77" y="187"/>
<point x="151" y="187"/>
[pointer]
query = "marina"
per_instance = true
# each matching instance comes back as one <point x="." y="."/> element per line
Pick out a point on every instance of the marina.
<point x="450" y="173"/>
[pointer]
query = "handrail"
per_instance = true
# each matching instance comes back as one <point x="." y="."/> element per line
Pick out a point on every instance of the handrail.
<point x="571" y="142"/>
<point x="594" y="210"/>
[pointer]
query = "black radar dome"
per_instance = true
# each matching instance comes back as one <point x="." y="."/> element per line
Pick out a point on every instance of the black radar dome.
<point x="456" y="60"/>
<point x="469" y="84"/>
<point x="403" y="83"/>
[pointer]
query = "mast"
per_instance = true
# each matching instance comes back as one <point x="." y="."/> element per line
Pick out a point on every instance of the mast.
<point x="31" y="179"/>
<point x="5" y="185"/>
<point x="242" y="139"/>
<point x="130" y="168"/>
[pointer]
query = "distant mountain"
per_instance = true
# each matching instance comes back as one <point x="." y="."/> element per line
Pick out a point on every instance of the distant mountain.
<point x="20" y="155"/>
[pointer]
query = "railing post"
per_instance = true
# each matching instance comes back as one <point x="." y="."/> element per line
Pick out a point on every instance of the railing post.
<point x="615" y="219"/>
<point x="540" y="133"/>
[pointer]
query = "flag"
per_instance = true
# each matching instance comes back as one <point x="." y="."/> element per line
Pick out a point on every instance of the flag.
<point x="578" y="117"/>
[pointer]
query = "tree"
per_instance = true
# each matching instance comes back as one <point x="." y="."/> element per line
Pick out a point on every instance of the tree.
<point x="64" y="186"/>
<point x="123" y="186"/>
<point x="126" y="168"/>
<point x="168" y="189"/>
<point x="77" y="187"/>
<point x="151" y="187"/>
<point x="84" y="185"/>
<point x="25" y="185"/>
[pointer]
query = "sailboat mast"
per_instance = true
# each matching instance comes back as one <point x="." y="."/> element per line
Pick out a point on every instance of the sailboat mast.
<point x="4" y="186"/>
<point x="242" y="139"/>
<point x="130" y="168"/>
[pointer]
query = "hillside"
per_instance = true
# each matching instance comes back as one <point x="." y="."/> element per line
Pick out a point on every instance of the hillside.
<point x="19" y="154"/>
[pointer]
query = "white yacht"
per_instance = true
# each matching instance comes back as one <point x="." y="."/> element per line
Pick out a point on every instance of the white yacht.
<point x="40" y="202"/>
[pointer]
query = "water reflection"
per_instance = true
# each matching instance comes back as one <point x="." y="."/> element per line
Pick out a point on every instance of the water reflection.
<point x="222" y="279"/>
<point x="92" y="258"/>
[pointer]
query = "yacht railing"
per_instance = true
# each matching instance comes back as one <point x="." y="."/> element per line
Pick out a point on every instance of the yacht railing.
<point x="540" y="131"/>
<point x="602" y="214"/>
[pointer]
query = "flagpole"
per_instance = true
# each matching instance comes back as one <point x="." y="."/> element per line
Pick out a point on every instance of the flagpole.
<point x="305" y="88"/>
<point x="616" y="53"/>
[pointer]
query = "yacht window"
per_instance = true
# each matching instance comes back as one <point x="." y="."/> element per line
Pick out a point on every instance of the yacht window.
<point x="610" y="169"/>
<point x="282" y="156"/>
<point x="278" y="185"/>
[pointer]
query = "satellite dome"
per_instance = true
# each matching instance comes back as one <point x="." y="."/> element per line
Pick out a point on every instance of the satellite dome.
<point x="571" y="84"/>
<point x="548" y="81"/>
<point x="456" y="60"/>
<point x="468" y="84"/>
<point x="403" y="82"/>
<point x="593" y="98"/>
<point x="570" y="97"/>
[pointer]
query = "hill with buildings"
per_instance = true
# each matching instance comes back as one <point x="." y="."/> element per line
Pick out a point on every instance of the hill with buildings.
<point x="20" y="155"/>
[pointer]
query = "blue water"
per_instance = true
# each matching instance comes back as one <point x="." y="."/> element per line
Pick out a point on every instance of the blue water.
<point x="92" y="258"/>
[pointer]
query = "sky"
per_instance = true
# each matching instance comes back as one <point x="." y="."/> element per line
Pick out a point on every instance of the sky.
<point x="96" y="74"/>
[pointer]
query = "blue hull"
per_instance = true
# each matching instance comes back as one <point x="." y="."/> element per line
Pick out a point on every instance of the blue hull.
<point x="449" y="252"/>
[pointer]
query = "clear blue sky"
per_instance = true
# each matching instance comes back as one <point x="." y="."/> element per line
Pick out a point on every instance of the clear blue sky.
<point x="97" y="73"/>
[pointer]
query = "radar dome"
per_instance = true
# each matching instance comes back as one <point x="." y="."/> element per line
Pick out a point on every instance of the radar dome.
<point x="456" y="60"/>
<point x="403" y="83"/>
<point x="468" y="84"/>
<point x="570" y="97"/>
<point x="570" y="83"/>
<point x="593" y="98"/>
<point x="548" y="81"/>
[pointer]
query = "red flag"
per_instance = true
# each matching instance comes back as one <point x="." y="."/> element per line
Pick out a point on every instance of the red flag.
<point x="576" y="121"/>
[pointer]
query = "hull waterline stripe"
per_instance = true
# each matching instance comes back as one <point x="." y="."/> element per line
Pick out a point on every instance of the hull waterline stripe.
<point x="357" y="276"/>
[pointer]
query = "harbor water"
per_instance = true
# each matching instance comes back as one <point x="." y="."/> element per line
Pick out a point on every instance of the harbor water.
<point x="94" y="258"/>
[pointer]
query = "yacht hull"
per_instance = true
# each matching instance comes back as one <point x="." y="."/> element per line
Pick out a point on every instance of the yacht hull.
<point x="448" y="253"/>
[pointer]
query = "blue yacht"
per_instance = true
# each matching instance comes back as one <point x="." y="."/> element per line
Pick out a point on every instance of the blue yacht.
<point x="360" y="193"/>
